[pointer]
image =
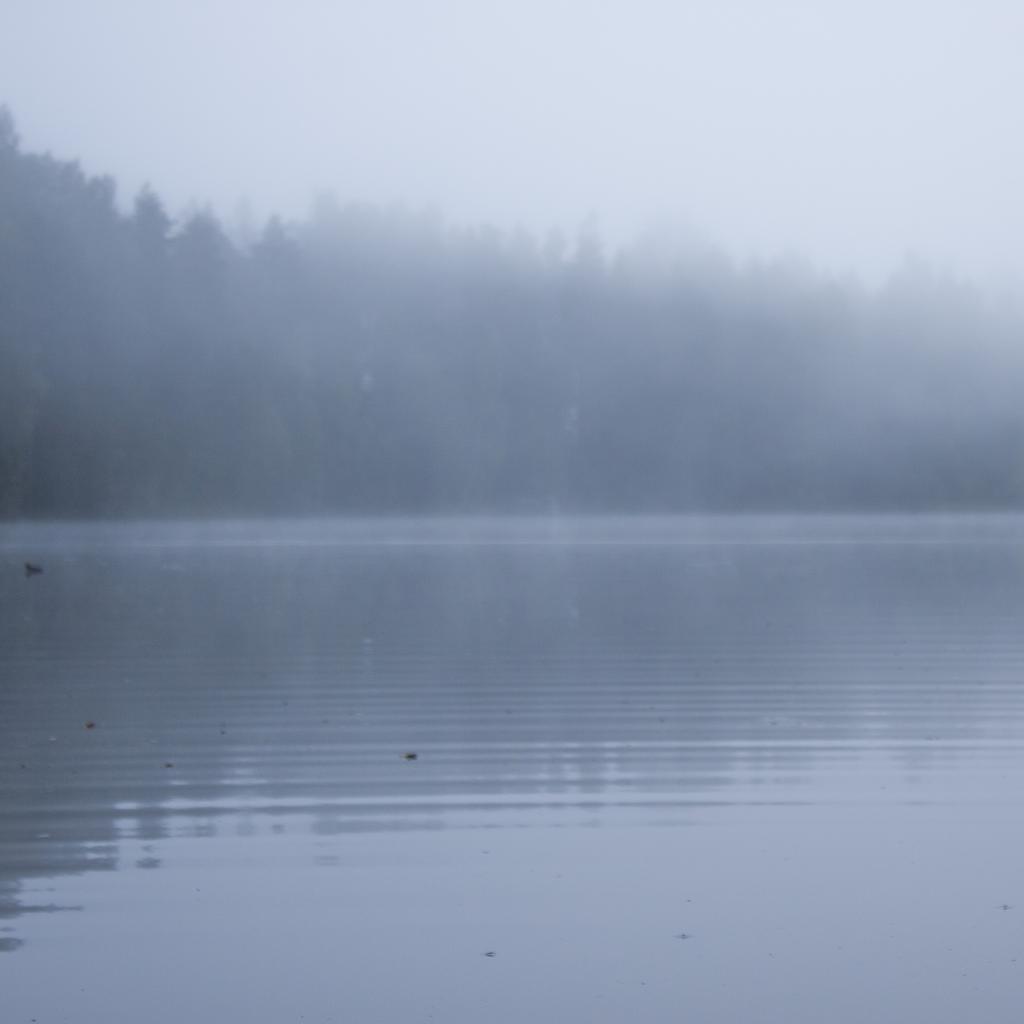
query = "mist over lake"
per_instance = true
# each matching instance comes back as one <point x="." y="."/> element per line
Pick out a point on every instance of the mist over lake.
<point x="511" y="512"/>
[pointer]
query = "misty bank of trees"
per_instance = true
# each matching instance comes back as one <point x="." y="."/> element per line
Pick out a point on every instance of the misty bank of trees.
<point x="370" y="360"/>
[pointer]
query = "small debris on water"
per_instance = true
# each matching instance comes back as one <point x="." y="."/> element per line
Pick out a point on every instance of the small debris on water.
<point x="684" y="935"/>
<point x="490" y="952"/>
<point x="168" y="764"/>
<point x="31" y="569"/>
<point x="90" y="724"/>
<point x="410" y="755"/>
<point x="1005" y="906"/>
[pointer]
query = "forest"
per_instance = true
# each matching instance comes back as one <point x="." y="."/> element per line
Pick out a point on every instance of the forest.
<point x="372" y="360"/>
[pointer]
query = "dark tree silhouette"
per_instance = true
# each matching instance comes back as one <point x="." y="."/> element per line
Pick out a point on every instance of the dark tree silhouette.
<point x="369" y="359"/>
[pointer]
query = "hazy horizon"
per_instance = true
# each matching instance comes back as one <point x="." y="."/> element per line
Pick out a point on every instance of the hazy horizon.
<point x="851" y="135"/>
<point x="422" y="428"/>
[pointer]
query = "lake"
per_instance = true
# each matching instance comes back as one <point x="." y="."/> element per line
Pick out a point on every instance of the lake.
<point x="757" y="769"/>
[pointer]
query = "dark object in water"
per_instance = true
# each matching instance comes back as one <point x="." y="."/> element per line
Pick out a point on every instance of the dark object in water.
<point x="31" y="569"/>
<point x="409" y="756"/>
<point x="490" y="952"/>
<point x="90" y="724"/>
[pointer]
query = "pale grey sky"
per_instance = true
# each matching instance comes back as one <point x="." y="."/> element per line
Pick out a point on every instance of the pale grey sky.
<point x="852" y="131"/>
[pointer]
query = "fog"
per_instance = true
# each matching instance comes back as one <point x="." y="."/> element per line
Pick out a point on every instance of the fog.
<point x="546" y="258"/>
<point x="850" y="133"/>
<point x="379" y="359"/>
<point x="488" y="492"/>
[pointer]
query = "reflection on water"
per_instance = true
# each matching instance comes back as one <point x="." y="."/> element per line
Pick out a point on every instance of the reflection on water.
<point x="233" y="693"/>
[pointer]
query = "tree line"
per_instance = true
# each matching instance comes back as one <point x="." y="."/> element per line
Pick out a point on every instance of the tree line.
<point x="372" y="360"/>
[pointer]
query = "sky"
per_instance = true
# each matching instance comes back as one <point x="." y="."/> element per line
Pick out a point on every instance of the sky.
<point x="852" y="133"/>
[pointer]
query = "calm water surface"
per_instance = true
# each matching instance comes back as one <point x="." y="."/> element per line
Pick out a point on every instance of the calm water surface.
<point x="721" y="770"/>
